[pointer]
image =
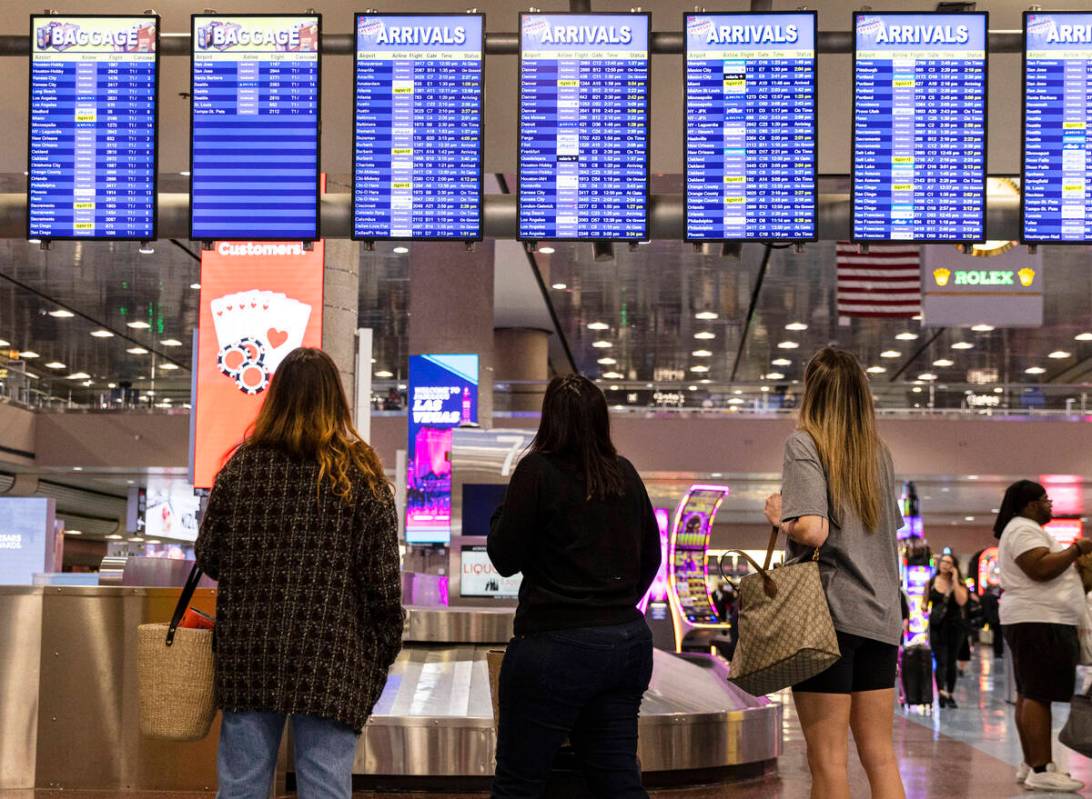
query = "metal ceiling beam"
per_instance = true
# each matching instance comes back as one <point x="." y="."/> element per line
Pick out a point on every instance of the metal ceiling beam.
<point x="1002" y="216"/>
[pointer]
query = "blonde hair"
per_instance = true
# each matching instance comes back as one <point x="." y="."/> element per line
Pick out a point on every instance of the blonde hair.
<point x="838" y="413"/>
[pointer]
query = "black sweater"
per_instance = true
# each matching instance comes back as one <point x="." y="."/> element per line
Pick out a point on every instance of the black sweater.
<point x="585" y="563"/>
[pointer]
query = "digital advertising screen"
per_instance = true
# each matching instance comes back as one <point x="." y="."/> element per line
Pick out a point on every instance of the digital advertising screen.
<point x="919" y="127"/>
<point x="689" y="571"/>
<point x="417" y="137"/>
<point x="92" y="141"/>
<point x="254" y="148"/>
<point x="479" y="578"/>
<point x="171" y="509"/>
<point x="583" y="127"/>
<point x="259" y="301"/>
<point x="443" y="394"/>
<point x="1056" y="190"/>
<point x="751" y="120"/>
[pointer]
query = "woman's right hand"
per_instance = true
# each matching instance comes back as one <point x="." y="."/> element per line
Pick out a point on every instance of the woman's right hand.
<point x="773" y="509"/>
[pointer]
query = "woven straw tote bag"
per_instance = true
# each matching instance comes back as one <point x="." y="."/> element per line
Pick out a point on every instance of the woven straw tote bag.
<point x="175" y="675"/>
<point x="785" y="631"/>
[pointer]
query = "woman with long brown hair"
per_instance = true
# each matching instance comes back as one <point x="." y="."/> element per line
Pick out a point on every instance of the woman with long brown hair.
<point x="838" y="495"/>
<point x="301" y="532"/>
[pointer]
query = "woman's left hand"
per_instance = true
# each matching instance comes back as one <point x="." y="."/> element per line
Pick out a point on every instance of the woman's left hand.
<point x="773" y="509"/>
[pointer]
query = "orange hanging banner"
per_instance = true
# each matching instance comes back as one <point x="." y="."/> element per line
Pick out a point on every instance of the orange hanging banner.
<point x="259" y="301"/>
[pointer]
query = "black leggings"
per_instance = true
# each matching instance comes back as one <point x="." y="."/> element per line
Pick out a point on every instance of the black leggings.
<point x="946" y="640"/>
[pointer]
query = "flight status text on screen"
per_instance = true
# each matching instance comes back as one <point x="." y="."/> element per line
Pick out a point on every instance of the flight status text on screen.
<point x="417" y="155"/>
<point x="583" y="126"/>
<point x="750" y="126"/>
<point x="92" y="166"/>
<point x="1057" y="184"/>
<point x="919" y="114"/>
<point x="255" y="133"/>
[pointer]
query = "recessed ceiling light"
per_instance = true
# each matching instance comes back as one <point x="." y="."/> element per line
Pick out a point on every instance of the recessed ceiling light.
<point x="598" y="326"/>
<point x="735" y="401"/>
<point x="916" y="389"/>
<point x="1083" y="337"/>
<point x="77" y="468"/>
<point x="54" y="365"/>
<point x="171" y="342"/>
<point x="701" y="353"/>
<point x="136" y="539"/>
<point x="73" y="532"/>
<point x="28" y="355"/>
<point x="195" y="286"/>
<point x="876" y="370"/>
<point x="137" y="351"/>
<point x="102" y="334"/>
<point x="153" y="541"/>
<point x="963" y="345"/>
<point x="1034" y="370"/>
<point x="972" y="477"/>
<point x="787" y="345"/>
<point x="982" y="328"/>
<point x="602" y="344"/>
<point x="384" y="374"/>
<point x="943" y="362"/>
<point x="796" y="326"/>
<point x="1059" y="355"/>
<point x="738" y="391"/>
<point x="146" y="250"/>
<point x="699" y="368"/>
<point x="138" y="325"/>
<point x="775" y="376"/>
<point x="705" y="316"/>
<point x="998" y="390"/>
<point x="968" y="518"/>
<point x="691" y="388"/>
<point x="149" y="393"/>
<point x="79" y="376"/>
<point x="168" y="367"/>
<point x="113" y="537"/>
<point x="918" y="317"/>
<point x="781" y="362"/>
<point x="111" y="385"/>
<point x="705" y="335"/>
<point x="612" y="375"/>
<point x="184" y="173"/>
<point x="890" y="354"/>
<point x="4" y="343"/>
<point x="764" y="389"/>
<point x="927" y="376"/>
<point x="907" y="336"/>
<point x="34" y="241"/>
<point x="61" y="313"/>
<point x="560" y="286"/>
<point x="705" y="381"/>
<point x="401" y="250"/>
<point x="606" y="361"/>
<point x="547" y="250"/>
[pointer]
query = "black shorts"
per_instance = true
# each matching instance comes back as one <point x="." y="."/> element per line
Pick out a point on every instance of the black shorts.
<point x="1044" y="660"/>
<point x="865" y="665"/>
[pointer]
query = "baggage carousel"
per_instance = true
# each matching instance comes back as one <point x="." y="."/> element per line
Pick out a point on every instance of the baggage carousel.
<point x="435" y="717"/>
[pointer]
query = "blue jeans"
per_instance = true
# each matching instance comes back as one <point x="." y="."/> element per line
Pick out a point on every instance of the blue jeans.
<point x="249" y="744"/>
<point x="585" y="685"/>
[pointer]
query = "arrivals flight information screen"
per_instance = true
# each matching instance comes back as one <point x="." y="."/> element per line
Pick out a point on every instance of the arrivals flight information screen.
<point x="583" y="126"/>
<point x="255" y="127"/>
<point x="750" y="127"/>
<point x="919" y="127"/>
<point x="92" y="166"/>
<point x="1057" y="108"/>
<point x="417" y="156"/>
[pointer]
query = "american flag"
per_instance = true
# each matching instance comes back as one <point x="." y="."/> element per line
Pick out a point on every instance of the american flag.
<point x="885" y="281"/>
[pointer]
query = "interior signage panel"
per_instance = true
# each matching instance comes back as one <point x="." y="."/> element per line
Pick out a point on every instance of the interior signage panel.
<point x="919" y="127"/>
<point x="417" y="137"/>
<point x="1055" y="196"/>
<point x="254" y="153"/>
<point x="1004" y="290"/>
<point x="583" y="127"/>
<point x="92" y="139"/>
<point x="751" y="127"/>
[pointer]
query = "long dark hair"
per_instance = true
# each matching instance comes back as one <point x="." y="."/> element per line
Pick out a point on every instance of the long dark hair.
<point x="575" y="424"/>
<point x="306" y="415"/>
<point x="1017" y="497"/>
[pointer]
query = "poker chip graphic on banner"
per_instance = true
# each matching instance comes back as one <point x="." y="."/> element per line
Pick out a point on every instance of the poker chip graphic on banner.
<point x="255" y="330"/>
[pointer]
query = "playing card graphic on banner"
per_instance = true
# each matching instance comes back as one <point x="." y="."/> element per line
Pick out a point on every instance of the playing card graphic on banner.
<point x="259" y="301"/>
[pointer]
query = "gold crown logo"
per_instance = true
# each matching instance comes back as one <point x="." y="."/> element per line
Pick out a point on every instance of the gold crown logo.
<point x="1027" y="276"/>
<point x="942" y="276"/>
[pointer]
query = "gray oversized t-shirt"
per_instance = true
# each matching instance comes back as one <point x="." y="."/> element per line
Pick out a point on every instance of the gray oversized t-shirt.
<point x="859" y="567"/>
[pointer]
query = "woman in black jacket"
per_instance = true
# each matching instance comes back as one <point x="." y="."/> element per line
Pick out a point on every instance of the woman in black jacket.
<point x="301" y="533"/>
<point x="577" y="522"/>
<point x="948" y="599"/>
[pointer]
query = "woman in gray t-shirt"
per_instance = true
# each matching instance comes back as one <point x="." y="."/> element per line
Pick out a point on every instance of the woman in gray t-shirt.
<point x="838" y="494"/>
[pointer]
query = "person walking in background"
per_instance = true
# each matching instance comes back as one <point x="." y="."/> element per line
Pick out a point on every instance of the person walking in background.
<point x="302" y="534"/>
<point x="1041" y="607"/>
<point x="578" y="523"/>
<point x="838" y="494"/>
<point x="948" y="598"/>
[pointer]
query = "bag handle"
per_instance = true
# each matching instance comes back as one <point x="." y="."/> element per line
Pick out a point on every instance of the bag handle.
<point x="183" y="601"/>
<point x="768" y="584"/>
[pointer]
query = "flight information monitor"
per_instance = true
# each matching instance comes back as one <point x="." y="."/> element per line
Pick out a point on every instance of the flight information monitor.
<point x="919" y="127"/>
<point x="750" y="127"/>
<point x="1057" y="182"/>
<point x="255" y="127"/>
<point x="583" y="127"/>
<point x="92" y="165"/>
<point x="417" y="155"/>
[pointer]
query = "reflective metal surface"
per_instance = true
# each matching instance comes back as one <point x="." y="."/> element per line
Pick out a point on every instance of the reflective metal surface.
<point x="459" y="625"/>
<point x="20" y="656"/>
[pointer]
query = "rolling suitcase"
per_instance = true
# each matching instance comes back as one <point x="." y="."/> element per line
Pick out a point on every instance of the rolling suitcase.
<point x="917" y="676"/>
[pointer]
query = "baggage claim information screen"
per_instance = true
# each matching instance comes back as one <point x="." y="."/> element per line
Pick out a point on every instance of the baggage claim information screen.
<point x="417" y="159"/>
<point x="1057" y="106"/>
<point x="750" y="127"/>
<point x="255" y="145"/>
<point x="919" y="138"/>
<point x="583" y="127"/>
<point x="92" y="170"/>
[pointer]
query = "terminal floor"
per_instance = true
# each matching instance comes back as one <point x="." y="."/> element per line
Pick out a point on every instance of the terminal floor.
<point x="969" y="752"/>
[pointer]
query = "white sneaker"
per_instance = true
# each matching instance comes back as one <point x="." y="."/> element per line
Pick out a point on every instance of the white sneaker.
<point x="1022" y="773"/>
<point x="1052" y="781"/>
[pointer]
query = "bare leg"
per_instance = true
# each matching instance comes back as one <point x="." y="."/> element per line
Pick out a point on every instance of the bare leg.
<point x="872" y="719"/>
<point x="1020" y="728"/>
<point x="825" y="720"/>
<point x="1034" y="724"/>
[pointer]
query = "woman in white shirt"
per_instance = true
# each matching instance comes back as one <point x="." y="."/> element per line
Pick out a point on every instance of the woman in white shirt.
<point x="1040" y="609"/>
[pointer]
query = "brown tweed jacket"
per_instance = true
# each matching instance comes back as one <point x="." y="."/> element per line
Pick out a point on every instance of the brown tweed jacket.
<point x="308" y="614"/>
